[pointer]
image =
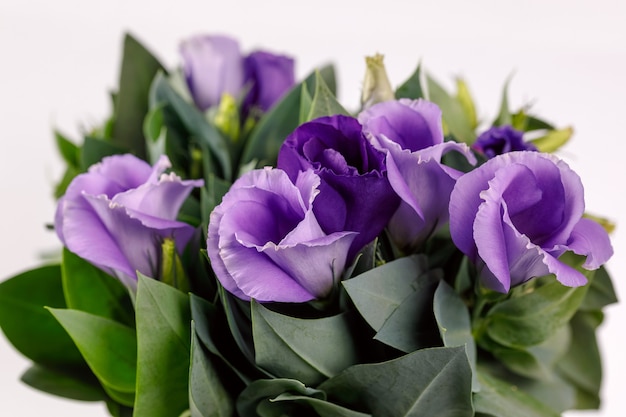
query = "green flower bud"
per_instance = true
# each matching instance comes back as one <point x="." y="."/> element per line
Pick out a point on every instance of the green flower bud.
<point x="376" y="86"/>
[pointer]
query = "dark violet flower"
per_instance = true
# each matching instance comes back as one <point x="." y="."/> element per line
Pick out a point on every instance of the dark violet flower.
<point x="118" y="213"/>
<point x="355" y="194"/>
<point x="212" y="67"/>
<point x="265" y="242"/>
<point x="412" y="124"/>
<point x="502" y="139"/>
<point x="410" y="132"/>
<point x="516" y="214"/>
<point x="269" y="77"/>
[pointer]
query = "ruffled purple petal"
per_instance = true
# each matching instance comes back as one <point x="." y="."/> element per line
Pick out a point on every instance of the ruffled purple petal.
<point x="268" y="77"/>
<point x="591" y="240"/>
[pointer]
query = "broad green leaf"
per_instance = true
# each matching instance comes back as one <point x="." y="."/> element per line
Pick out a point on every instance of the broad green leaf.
<point x="582" y="364"/>
<point x="321" y="407"/>
<point x="531" y="318"/>
<point x="239" y="322"/>
<point x="324" y="101"/>
<point x="412" y="88"/>
<point x="69" y="151"/>
<point x="378" y="292"/>
<point x="139" y="67"/>
<point x="534" y="123"/>
<point x="64" y="383"/>
<point x="212" y="331"/>
<point x="453" y="114"/>
<point x="553" y="140"/>
<point x="207" y="395"/>
<point x="500" y="398"/>
<point x="454" y="323"/>
<point x="464" y="97"/>
<point x="412" y="324"/>
<point x="211" y="196"/>
<point x="194" y="121"/>
<point x="309" y="350"/>
<point x="163" y="344"/>
<point x="272" y="129"/>
<point x="26" y="323"/>
<point x="427" y="382"/>
<point x="109" y="347"/>
<point x="264" y="390"/>
<point x="504" y="114"/>
<point x="89" y="289"/>
<point x="601" y="292"/>
<point x="93" y="150"/>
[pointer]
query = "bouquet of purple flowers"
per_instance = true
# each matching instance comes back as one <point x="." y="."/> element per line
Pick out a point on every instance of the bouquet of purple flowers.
<point x="236" y="243"/>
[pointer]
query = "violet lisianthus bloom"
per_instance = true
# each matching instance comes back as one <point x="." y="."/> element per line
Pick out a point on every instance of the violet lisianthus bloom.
<point x="265" y="243"/>
<point x="412" y="124"/>
<point x="502" y="139"/>
<point x="411" y="133"/>
<point x="517" y="213"/>
<point x="118" y="213"/>
<point x="355" y="194"/>
<point x="212" y="65"/>
<point x="268" y="77"/>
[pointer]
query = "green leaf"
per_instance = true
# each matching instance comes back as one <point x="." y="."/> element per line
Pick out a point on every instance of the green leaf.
<point x="464" y="97"/>
<point x="109" y="347"/>
<point x="504" y="114"/>
<point x="412" y="324"/>
<point x="324" y="101"/>
<point x="454" y="324"/>
<point x="453" y="114"/>
<point x="264" y="390"/>
<point x="207" y="395"/>
<point x="427" y="382"/>
<point x="62" y="383"/>
<point x="581" y="366"/>
<point x="89" y="289"/>
<point x="412" y="88"/>
<point x="69" y="151"/>
<point x="601" y="292"/>
<point x="28" y="326"/>
<point x="534" y="123"/>
<point x="164" y="342"/>
<point x="531" y="318"/>
<point x="553" y="140"/>
<point x="162" y="93"/>
<point x="321" y="407"/>
<point x="378" y="292"/>
<point x="500" y="398"/>
<point x="211" y="196"/>
<point x="272" y="129"/>
<point x="94" y="150"/>
<point x="306" y="102"/>
<point x="309" y="350"/>
<point x="69" y="174"/>
<point x="139" y="68"/>
<point x="211" y="330"/>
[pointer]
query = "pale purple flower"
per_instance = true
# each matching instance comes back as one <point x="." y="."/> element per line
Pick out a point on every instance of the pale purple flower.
<point x="516" y="214"/>
<point x="213" y="65"/>
<point x="118" y="213"/>
<point x="411" y="134"/>
<point x="265" y="243"/>
<point x="502" y="139"/>
<point x="355" y="194"/>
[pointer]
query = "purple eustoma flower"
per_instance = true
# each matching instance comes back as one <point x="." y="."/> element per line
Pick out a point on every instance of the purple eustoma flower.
<point x="516" y="214"/>
<point x="502" y="139"/>
<point x="411" y="134"/>
<point x="212" y="67"/>
<point x="118" y="213"/>
<point x="355" y="194"/>
<point x="265" y="242"/>
<point x="268" y="77"/>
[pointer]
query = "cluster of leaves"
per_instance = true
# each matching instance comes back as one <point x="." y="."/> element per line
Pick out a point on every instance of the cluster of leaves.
<point x="403" y="336"/>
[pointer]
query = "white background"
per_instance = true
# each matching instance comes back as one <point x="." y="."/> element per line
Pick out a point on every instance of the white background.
<point x="59" y="59"/>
